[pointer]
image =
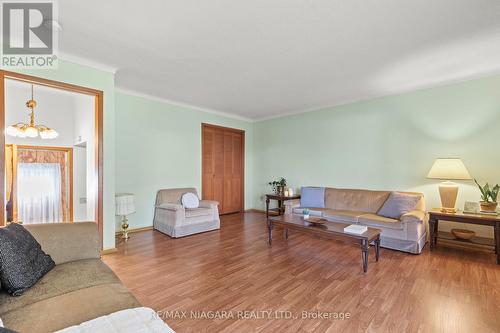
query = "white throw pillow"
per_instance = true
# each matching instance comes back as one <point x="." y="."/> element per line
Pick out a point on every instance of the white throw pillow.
<point x="190" y="200"/>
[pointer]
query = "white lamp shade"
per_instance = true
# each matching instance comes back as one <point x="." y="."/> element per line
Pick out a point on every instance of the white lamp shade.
<point x="449" y="169"/>
<point x="124" y="204"/>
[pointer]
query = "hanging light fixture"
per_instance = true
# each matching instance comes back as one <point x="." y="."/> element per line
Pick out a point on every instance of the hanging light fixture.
<point x="31" y="130"/>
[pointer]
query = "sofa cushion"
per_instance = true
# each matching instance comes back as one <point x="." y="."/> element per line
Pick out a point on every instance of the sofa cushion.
<point x="143" y="320"/>
<point x="374" y="220"/>
<point x="357" y="200"/>
<point x="194" y="212"/>
<point x="173" y="195"/>
<point x="347" y="216"/>
<point x="398" y="204"/>
<point x="66" y="242"/>
<point x="52" y="314"/>
<point x="190" y="200"/>
<point x="22" y="261"/>
<point x="312" y="197"/>
<point x="62" y="279"/>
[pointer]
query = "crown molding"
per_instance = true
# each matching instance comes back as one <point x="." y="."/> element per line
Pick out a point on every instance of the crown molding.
<point x="182" y="104"/>
<point x="87" y="62"/>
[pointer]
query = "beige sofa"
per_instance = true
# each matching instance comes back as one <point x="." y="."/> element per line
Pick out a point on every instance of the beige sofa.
<point x="79" y="288"/>
<point x="352" y="206"/>
<point x="173" y="219"/>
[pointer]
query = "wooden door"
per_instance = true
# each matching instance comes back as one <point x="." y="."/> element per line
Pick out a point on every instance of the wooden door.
<point x="222" y="167"/>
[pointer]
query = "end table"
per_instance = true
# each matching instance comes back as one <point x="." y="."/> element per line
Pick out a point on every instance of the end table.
<point x="280" y="198"/>
<point x="437" y="215"/>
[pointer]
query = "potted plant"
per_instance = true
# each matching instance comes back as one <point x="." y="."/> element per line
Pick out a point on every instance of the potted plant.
<point x="278" y="186"/>
<point x="489" y="197"/>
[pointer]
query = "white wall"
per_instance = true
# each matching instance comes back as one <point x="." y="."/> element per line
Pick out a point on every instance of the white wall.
<point x="72" y="116"/>
<point x="84" y="141"/>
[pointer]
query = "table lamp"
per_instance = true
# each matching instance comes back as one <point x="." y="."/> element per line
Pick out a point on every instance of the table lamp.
<point x="124" y="206"/>
<point x="448" y="169"/>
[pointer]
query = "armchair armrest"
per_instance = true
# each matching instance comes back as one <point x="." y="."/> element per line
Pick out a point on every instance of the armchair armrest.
<point x="414" y="216"/>
<point x="66" y="242"/>
<point x="170" y="206"/>
<point x="208" y="203"/>
<point x="290" y="205"/>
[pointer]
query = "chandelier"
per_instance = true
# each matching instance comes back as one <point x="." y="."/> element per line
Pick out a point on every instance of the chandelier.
<point x="31" y="130"/>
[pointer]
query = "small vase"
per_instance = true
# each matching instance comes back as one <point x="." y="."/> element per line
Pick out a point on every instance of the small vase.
<point x="306" y="216"/>
<point x="488" y="206"/>
<point x="280" y="190"/>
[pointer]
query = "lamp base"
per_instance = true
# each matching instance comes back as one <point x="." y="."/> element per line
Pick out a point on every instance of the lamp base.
<point x="125" y="228"/>
<point x="448" y="191"/>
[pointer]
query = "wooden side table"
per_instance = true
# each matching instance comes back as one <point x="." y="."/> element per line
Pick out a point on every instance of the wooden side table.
<point x="436" y="215"/>
<point x="280" y="199"/>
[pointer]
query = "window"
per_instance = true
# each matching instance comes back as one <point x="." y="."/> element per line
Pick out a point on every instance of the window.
<point x="39" y="192"/>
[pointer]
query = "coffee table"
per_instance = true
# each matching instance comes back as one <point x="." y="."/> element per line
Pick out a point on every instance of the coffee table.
<point x="333" y="230"/>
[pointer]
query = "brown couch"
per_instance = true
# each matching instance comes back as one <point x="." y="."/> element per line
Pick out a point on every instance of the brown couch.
<point x="408" y="233"/>
<point x="79" y="288"/>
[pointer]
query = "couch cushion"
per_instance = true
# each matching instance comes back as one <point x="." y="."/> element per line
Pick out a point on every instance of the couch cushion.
<point x="62" y="279"/>
<point x="312" y="197"/>
<point x="346" y="216"/>
<point x="52" y="314"/>
<point x="398" y="204"/>
<point x="357" y="200"/>
<point x="143" y="320"/>
<point x="22" y="261"/>
<point x="173" y="195"/>
<point x="193" y="212"/>
<point x="190" y="200"/>
<point x="374" y="220"/>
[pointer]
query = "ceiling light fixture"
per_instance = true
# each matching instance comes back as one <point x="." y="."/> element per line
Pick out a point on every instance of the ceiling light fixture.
<point x="22" y="130"/>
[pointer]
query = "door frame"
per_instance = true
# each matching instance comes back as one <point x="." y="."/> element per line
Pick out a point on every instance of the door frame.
<point x="98" y="136"/>
<point x="234" y="130"/>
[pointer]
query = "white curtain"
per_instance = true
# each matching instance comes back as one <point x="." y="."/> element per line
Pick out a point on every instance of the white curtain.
<point x="39" y="192"/>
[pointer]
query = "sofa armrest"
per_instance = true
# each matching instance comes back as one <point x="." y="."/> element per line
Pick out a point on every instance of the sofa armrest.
<point x="417" y="216"/>
<point x="208" y="203"/>
<point x="290" y="205"/>
<point x="170" y="206"/>
<point x="66" y="242"/>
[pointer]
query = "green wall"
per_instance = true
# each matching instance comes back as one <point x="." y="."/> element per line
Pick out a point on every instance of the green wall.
<point x="386" y="143"/>
<point x="93" y="78"/>
<point x="158" y="145"/>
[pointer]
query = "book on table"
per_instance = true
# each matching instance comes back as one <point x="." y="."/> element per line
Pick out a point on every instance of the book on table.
<point x="355" y="229"/>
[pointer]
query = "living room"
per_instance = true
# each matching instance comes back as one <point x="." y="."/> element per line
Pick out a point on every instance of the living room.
<point x="234" y="142"/>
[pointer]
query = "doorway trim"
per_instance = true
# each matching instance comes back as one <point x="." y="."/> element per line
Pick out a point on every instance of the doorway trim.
<point x="229" y="129"/>
<point x="98" y="128"/>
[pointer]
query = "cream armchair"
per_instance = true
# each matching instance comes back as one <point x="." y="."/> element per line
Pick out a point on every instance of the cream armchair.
<point x="173" y="219"/>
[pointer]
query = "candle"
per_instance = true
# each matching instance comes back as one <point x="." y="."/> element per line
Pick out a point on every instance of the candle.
<point x="286" y="193"/>
<point x="290" y="192"/>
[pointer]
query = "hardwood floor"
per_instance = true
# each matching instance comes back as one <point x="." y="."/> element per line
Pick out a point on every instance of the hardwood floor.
<point x="234" y="269"/>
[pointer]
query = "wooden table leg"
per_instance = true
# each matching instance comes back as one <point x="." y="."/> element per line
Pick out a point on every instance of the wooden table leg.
<point x="497" y="241"/>
<point x="433" y="228"/>
<point x="286" y="232"/>
<point x="280" y="205"/>
<point x="364" y="254"/>
<point x="270" y="231"/>
<point x="377" y="248"/>
<point x="267" y="208"/>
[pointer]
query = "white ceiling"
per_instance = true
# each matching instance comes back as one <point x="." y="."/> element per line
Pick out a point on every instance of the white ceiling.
<point x="263" y="58"/>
